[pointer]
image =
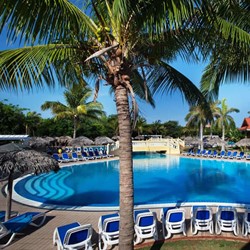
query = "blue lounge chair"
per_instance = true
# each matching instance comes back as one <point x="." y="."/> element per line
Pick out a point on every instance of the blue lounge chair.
<point x="86" y="156"/>
<point x="13" y="226"/>
<point x="248" y="157"/>
<point x="222" y="154"/>
<point x="75" y="157"/>
<point x="108" y="226"/>
<point x="187" y="153"/>
<point x="57" y="157"/>
<point x="202" y="152"/>
<point x="174" y="222"/>
<point x="92" y="154"/>
<point x="207" y="153"/>
<point x="197" y="152"/>
<point x="66" y="158"/>
<point x="240" y="156"/>
<point x="145" y="225"/>
<point x="227" y="155"/>
<point x="233" y="155"/>
<point x="99" y="154"/>
<point x="226" y="220"/>
<point x="201" y="219"/>
<point x="73" y="236"/>
<point x="214" y="154"/>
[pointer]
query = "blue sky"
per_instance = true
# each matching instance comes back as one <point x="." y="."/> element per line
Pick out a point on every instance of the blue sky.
<point x="168" y="107"/>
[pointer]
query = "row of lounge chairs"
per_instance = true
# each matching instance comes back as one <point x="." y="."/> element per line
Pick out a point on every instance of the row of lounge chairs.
<point x="82" y="156"/>
<point x="145" y="226"/>
<point x="215" y="154"/>
<point x="75" y="235"/>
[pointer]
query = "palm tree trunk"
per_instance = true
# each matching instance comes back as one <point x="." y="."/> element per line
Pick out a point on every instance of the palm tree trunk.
<point x="126" y="236"/>
<point x="201" y="135"/>
<point x="75" y="125"/>
<point x="223" y="137"/>
<point x="9" y="197"/>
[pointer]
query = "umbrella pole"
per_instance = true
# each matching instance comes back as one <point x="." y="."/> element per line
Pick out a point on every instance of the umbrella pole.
<point x="9" y="196"/>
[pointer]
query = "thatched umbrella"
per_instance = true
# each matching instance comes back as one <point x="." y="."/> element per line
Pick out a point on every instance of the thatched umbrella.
<point x="17" y="160"/>
<point x="64" y="140"/>
<point x="81" y="141"/>
<point x="243" y="142"/>
<point x="38" y="142"/>
<point x="192" y="141"/>
<point x="215" y="141"/>
<point x="103" y="140"/>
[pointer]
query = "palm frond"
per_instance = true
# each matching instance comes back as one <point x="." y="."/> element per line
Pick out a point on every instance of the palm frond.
<point x="41" y="64"/>
<point x="57" y="19"/>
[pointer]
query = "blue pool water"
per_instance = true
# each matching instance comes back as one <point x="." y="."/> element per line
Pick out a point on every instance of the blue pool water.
<point x="158" y="179"/>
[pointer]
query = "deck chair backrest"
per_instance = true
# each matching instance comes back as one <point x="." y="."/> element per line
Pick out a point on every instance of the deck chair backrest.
<point x="76" y="235"/>
<point x="111" y="225"/>
<point x="175" y="215"/>
<point x="145" y="219"/>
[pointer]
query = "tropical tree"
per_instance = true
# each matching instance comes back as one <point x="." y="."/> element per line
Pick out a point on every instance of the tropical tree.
<point x="224" y="120"/>
<point x="140" y="125"/>
<point x="76" y="106"/>
<point x="198" y="116"/>
<point x="12" y="118"/>
<point x="32" y="120"/>
<point x="128" y="44"/>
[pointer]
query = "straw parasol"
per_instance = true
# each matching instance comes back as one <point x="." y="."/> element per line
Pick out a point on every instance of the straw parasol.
<point x="64" y="140"/>
<point x="38" y="142"/>
<point x="81" y="141"/>
<point x="192" y="141"/>
<point x="103" y="140"/>
<point x="14" y="159"/>
<point x="243" y="142"/>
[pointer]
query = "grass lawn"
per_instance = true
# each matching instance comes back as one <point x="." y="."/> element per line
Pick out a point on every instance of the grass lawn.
<point x="200" y="245"/>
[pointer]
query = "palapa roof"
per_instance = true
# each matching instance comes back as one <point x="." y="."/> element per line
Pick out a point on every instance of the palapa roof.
<point x="245" y="125"/>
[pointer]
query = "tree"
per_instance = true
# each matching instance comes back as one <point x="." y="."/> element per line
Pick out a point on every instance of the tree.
<point x="76" y="106"/>
<point x="12" y="119"/>
<point x="32" y="121"/>
<point x="198" y="116"/>
<point x="224" y="120"/>
<point x="126" y="43"/>
<point x="140" y="125"/>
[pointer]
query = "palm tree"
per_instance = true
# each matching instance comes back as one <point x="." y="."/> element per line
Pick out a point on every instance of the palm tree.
<point x="32" y="119"/>
<point x="76" y="107"/>
<point x="224" y="120"/>
<point x="199" y="116"/>
<point x="128" y="44"/>
<point x="140" y="124"/>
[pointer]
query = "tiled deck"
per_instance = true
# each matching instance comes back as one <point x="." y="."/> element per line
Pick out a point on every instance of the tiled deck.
<point x="41" y="238"/>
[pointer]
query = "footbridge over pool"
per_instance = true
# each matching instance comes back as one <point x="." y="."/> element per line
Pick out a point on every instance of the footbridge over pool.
<point x="163" y="145"/>
<point x="167" y="146"/>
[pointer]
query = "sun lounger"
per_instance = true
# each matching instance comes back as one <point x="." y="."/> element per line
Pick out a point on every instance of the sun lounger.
<point x="57" y="157"/>
<point x="73" y="236"/>
<point x="13" y="226"/>
<point x="213" y="155"/>
<point x="226" y="220"/>
<point x="108" y="226"/>
<point x="145" y="225"/>
<point x="174" y="222"/>
<point x="240" y="156"/>
<point x="66" y="158"/>
<point x="221" y="154"/>
<point x="227" y="155"/>
<point x="201" y="219"/>
<point x="233" y="155"/>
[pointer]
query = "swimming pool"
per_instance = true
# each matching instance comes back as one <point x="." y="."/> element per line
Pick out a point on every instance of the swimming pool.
<point x="158" y="178"/>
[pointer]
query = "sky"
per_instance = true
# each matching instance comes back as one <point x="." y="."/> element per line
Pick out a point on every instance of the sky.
<point x="168" y="107"/>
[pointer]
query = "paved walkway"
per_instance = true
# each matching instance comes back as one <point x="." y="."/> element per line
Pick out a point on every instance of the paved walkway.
<point x="41" y="238"/>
